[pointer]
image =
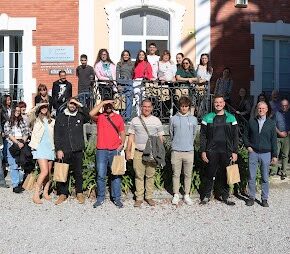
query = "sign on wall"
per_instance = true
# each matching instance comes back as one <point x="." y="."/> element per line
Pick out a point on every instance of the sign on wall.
<point x="56" y="54"/>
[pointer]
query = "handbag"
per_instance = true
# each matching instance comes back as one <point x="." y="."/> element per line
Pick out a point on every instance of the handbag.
<point x="233" y="173"/>
<point x="149" y="143"/>
<point x="118" y="165"/>
<point x="29" y="182"/>
<point x="60" y="171"/>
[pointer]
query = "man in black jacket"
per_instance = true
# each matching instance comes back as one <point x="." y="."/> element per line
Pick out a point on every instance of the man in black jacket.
<point x="261" y="141"/>
<point x="69" y="145"/>
<point x="218" y="145"/>
<point x="61" y="91"/>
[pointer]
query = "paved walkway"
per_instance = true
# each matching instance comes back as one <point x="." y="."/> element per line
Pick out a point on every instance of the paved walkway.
<point x="214" y="228"/>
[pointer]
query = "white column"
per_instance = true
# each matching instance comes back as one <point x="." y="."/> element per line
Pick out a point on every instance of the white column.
<point x="6" y="60"/>
<point x="202" y="28"/>
<point x="87" y="29"/>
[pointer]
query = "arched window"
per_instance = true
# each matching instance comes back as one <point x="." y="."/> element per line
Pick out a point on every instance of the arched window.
<point x="141" y="27"/>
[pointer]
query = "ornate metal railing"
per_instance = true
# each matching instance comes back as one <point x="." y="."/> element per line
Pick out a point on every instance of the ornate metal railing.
<point x="129" y="94"/>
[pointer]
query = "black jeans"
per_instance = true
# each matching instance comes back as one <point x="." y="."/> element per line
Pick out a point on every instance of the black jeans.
<point x="215" y="173"/>
<point x="75" y="161"/>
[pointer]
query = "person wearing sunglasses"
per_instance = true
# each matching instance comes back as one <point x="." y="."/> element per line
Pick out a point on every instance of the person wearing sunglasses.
<point x="69" y="145"/>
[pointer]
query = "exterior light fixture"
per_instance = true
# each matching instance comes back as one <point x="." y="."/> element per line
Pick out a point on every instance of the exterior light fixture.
<point x="241" y="3"/>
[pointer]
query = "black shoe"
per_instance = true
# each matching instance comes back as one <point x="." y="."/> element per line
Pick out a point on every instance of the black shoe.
<point x="283" y="176"/>
<point x="118" y="203"/>
<point x="204" y="201"/>
<point x="17" y="189"/>
<point x="250" y="202"/>
<point x="228" y="202"/>
<point x="265" y="203"/>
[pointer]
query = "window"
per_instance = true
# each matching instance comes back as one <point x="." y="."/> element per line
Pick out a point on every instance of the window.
<point x="11" y="64"/>
<point x="276" y="64"/>
<point x="139" y="29"/>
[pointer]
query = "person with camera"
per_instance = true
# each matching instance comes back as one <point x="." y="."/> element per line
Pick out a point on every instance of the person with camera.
<point x="111" y="137"/>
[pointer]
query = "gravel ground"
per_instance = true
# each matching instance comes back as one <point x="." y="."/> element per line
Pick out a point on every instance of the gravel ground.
<point x="74" y="228"/>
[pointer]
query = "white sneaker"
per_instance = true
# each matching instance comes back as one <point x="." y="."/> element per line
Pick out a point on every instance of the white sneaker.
<point x="187" y="200"/>
<point x="175" y="199"/>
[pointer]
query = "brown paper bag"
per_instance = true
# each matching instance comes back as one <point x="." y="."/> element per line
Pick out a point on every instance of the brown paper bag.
<point x="60" y="172"/>
<point x="120" y="102"/>
<point x="118" y="165"/>
<point x="233" y="174"/>
<point x="29" y="182"/>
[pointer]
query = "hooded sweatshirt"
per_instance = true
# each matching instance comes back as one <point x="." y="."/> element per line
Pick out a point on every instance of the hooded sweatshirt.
<point x="182" y="132"/>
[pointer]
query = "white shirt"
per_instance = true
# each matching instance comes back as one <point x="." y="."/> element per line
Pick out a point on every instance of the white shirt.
<point x="153" y="60"/>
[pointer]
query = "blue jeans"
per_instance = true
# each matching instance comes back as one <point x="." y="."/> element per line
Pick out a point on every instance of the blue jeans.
<point x="2" y="178"/>
<point x="85" y="99"/>
<point x="15" y="173"/>
<point x="263" y="160"/>
<point x="127" y="86"/>
<point x="104" y="159"/>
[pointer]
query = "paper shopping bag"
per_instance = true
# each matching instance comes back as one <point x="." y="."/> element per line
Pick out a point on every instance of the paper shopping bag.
<point x="60" y="172"/>
<point x="233" y="174"/>
<point x="29" y="182"/>
<point x="118" y="165"/>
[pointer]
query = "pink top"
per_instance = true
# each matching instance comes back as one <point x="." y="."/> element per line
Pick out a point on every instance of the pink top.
<point x="143" y="70"/>
<point x="101" y="74"/>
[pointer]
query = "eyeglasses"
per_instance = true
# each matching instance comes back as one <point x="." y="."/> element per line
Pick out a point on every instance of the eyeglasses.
<point x="185" y="63"/>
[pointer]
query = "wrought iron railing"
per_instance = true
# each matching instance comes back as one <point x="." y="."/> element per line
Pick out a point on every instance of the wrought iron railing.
<point x="129" y="94"/>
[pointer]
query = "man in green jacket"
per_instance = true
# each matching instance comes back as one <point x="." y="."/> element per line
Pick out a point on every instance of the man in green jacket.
<point x="218" y="145"/>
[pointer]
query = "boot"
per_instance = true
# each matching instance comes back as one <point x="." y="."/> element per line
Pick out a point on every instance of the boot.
<point x="36" y="199"/>
<point x="60" y="199"/>
<point x="45" y="191"/>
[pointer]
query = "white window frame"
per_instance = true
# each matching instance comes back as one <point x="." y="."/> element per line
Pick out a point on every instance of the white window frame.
<point x="261" y="30"/>
<point x="116" y="8"/>
<point x="27" y="25"/>
<point x="276" y="41"/>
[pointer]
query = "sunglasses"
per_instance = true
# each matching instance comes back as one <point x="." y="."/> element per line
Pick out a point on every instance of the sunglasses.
<point x="185" y="63"/>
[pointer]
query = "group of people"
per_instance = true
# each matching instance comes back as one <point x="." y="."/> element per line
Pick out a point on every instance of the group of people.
<point x="53" y="129"/>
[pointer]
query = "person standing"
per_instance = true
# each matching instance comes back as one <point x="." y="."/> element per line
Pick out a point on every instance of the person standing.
<point x="153" y="59"/>
<point x="16" y="131"/>
<point x="86" y="75"/>
<point x="282" y="118"/>
<point x="105" y="71"/>
<point x="69" y="145"/>
<point x="274" y="102"/>
<point x="142" y="71"/>
<point x="224" y="85"/>
<point x="42" y="95"/>
<point x="218" y="146"/>
<point x="182" y="131"/>
<point x="124" y="72"/>
<point x="42" y="145"/>
<point x="138" y="135"/>
<point x="260" y="139"/>
<point x="111" y="137"/>
<point x="61" y="91"/>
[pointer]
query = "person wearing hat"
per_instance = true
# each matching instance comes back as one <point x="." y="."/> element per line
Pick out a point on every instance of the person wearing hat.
<point x="42" y="145"/>
<point x="111" y="137"/>
<point x="69" y="145"/>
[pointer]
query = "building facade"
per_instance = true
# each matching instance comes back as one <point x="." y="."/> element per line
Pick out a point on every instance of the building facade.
<point x="38" y="38"/>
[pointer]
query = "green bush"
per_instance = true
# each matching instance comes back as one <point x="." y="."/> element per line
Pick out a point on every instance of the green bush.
<point x="163" y="176"/>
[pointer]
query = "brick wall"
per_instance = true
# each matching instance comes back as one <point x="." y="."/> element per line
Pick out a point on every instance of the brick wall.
<point x="56" y="25"/>
<point x="231" y="39"/>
